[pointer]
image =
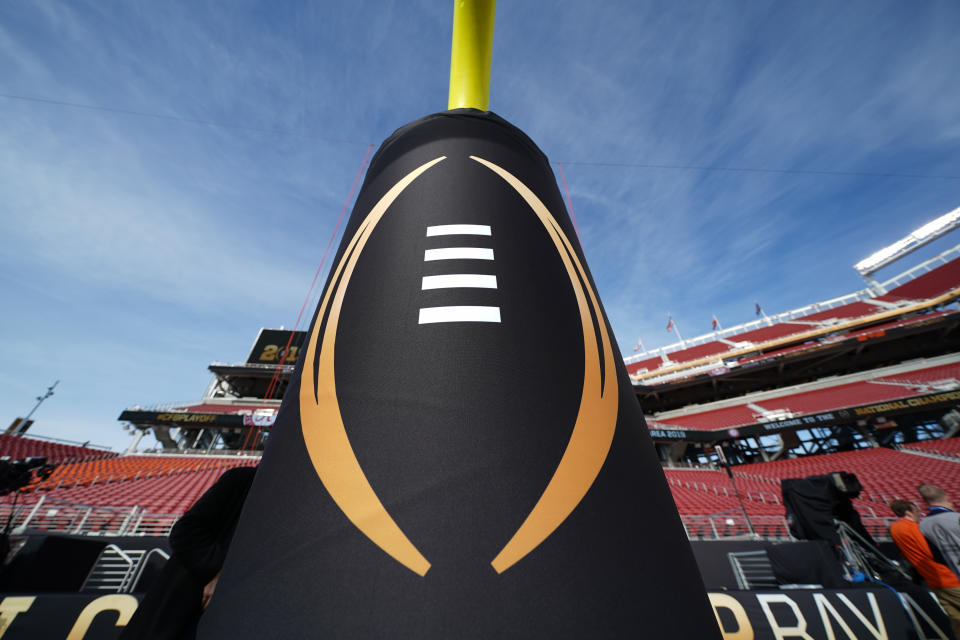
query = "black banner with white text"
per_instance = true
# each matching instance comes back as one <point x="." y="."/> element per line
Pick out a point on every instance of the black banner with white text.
<point x="832" y="614"/>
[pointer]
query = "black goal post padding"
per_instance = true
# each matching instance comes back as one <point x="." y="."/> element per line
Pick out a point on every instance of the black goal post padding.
<point x="460" y="453"/>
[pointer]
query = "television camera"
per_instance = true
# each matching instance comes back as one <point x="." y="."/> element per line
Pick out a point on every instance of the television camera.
<point x="16" y="474"/>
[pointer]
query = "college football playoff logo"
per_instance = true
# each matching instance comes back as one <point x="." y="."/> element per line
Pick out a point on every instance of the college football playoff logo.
<point x="326" y="437"/>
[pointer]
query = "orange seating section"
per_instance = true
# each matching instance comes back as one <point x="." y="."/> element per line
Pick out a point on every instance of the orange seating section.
<point x="170" y="484"/>
<point x="121" y="468"/>
<point x="124" y="469"/>
<point x="172" y="494"/>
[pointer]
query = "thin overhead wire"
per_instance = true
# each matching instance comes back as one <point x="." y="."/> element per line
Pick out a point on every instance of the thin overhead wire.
<point x="573" y="216"/>
<point x="160" y="116"/>
<point x="274" y="384"/>
<point x="632" y="165"/>
<point x="813" y="172"/>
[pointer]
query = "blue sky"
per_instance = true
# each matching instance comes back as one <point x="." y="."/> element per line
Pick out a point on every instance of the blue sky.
<point x="136" y="250"/>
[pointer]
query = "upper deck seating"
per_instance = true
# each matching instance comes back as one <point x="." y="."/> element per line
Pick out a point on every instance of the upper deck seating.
<point x="844" y="312"/>
<point x="924" y="376"/>
<point x="778" y="353"/>
<point x="699" y="351"/>
<point x="765" y="334"/>
<point x="931" y="284"/>
<point x="650" y="364"/>
<point x="829" y="398"/>
<point x="845" y="395"/>
<point x="820" y="400"/>
<point x="716" y="419"/>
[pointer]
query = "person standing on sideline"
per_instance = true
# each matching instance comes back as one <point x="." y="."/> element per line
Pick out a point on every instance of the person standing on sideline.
<point x="914" y="547"/>
<point x="941" y="527"/>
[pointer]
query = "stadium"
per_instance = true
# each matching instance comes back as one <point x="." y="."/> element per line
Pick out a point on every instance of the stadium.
<point x="454" y="446"/>
<point x="866" y="384"/>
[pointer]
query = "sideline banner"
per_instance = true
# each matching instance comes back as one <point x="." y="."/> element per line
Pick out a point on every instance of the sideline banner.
<point x="72" y="616"/>
<point x="460" y="452"/>
<point x="844" y="614"/>
<point x="854" y="614"/>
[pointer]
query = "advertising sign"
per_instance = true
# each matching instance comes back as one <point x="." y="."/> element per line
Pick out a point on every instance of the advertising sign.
<point x="271" y="344"/>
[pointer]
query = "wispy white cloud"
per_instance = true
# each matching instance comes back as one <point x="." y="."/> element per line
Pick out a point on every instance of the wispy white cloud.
<point x="781" y="87"/>
<point x="221" y="228"/>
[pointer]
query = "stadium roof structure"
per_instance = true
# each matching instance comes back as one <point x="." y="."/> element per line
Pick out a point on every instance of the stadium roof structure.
<point x="876" y="367"/>
<point x="211" y="423"/>
<point x="889" y="406"/>
<point x="920" y="384"/>
<point x="238" y="407"/>
<point x="248" y="380"/>
<point x="862" y="349"/>
<point x="915" y="296"/>
<point x="905" y="246"/>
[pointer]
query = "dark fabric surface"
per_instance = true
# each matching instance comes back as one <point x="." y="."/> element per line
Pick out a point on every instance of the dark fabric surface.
<point x="169" y="609"/>
<point x="812" y="562"/>
<point x="459" y="428"/>
<point x="199" y="540"/>
<point x="51" y="563"/>
<point x="713" y="560"/>
<point x="201" y="537"/>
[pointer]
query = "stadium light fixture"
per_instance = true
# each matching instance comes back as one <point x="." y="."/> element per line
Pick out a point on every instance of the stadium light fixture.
<point x="918" y="238"/>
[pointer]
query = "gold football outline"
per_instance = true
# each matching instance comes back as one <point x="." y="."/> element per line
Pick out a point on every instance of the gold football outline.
<point x="326" y="438"/>
<point x="336" y="463"/>
<point x="599" y="403"/>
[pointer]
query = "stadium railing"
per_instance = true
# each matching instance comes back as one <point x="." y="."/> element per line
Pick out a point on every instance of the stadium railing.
<point x="733" y="525"/>
<point x="54" y="515"/>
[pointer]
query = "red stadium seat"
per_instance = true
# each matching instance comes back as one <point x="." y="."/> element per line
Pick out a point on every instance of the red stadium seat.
<point x="18" y="447"/>
<point x="830" y="398"/>
<point x="931" y="284"/>
<point x="949" y="448"/>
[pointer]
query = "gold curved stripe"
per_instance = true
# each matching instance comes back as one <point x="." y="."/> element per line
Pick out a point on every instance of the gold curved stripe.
<point x="599" y="402"/>
<point x="322" y="424"/>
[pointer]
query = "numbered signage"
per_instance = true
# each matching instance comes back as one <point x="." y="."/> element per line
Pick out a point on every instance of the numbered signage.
<point x="271" y="347"/>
